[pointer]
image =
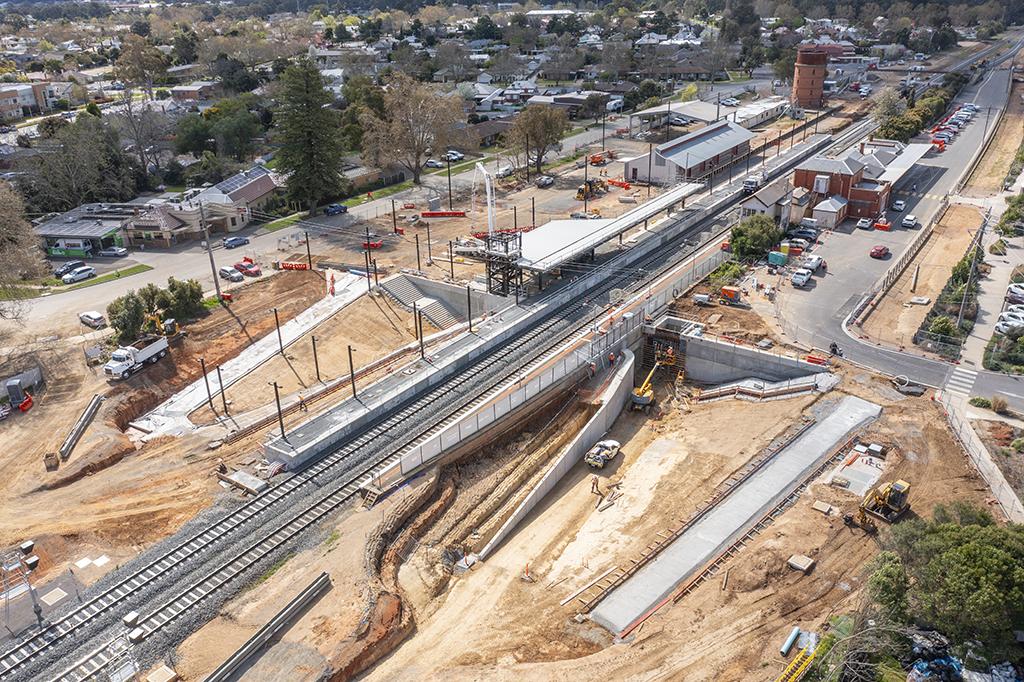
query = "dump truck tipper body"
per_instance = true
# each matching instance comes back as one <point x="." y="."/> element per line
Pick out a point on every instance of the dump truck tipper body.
<point x="127" y="360"/>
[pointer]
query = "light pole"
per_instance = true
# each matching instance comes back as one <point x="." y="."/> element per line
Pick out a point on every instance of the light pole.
<point x="449" y="159"/>
<point x="280" y="415"/>
<point x="209" y="251"/>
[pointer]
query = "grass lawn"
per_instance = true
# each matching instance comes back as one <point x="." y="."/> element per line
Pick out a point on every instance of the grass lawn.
<point x="381" y="193"/>
<point x="281" y="223"/>
<point x="24" y="293"/>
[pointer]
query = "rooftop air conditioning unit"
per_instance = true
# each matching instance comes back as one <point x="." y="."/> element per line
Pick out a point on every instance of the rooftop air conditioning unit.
<point x="821" y="184"/>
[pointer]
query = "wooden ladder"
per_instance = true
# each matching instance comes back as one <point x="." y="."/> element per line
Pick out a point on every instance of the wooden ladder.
<point x="372" y="493"/>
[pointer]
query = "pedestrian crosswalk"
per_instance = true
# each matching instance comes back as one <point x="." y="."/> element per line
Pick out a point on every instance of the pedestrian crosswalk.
<point x="961" y="381"/>
<point x="919" y="195"/>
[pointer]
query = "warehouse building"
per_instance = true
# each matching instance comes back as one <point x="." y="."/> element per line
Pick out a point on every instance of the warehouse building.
<point x="692" y="156"/>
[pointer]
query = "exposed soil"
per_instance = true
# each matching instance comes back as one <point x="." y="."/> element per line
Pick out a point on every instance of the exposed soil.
<point x="998" y="437"/>
<point x="990" y="174"/>
<point x="740" y="322"/>
<point x="896" y="320"/>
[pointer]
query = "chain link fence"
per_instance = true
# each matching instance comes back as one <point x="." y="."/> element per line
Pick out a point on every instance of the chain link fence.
<point x="1004" y="495"/>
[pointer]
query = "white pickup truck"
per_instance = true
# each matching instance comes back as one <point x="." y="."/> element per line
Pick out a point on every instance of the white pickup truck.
<point x="127" y="360"/>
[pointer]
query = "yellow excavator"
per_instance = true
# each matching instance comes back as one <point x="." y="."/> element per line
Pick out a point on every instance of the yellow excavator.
<point x="888" y="502"/>
<point x="168" y="327"/>
<point x="643" y="395"/>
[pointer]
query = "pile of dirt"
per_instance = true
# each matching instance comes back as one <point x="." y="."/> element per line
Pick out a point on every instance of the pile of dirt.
<point x="734" y="321"/>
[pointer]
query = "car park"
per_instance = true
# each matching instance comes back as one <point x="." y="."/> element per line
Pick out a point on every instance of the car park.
<point x="910" y="220"/>
<point x="248" y="268"/>
<point x="235" y="242"/>
<point x="113" y="252"/>
<point x="545" y="181"/>
<point x="335" y="209"/>
<point x="92" y="318"/>
<point x="879" y="251"/>
<point x="79" y="274"/>
<point x="899" y="205"/>
<point x="434" y="163"/>
<point x="865" y="224"/>
<point x="800" y="277"/>
<point x="67" y="267"/>
<point x="230" y="274"/>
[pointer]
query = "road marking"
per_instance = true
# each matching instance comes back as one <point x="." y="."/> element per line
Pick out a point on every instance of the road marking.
<point x="961" y="380"/>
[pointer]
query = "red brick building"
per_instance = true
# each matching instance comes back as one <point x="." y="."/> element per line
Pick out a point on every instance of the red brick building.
<point x="825" y="177"/>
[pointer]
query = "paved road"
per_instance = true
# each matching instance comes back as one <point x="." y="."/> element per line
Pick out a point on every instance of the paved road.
<point x="817" y="316"/>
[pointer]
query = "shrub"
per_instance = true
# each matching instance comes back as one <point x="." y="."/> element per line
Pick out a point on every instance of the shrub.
<point x="942" y="325"/>
<point x="753" y="237"/>
<point x="726" y="273"/>
<point x="1017" y="445"/>
<point x="999" y="405"/>
<point x="998" y="248"/>
<point x="978" y="401"/>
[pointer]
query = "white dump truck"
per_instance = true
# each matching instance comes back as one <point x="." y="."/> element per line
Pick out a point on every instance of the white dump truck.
<point x="127" y="360"/>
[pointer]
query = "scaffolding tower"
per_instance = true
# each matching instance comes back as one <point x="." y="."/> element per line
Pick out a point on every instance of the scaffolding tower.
<point x="502" y="250"/>
<point x="16" y="566"/>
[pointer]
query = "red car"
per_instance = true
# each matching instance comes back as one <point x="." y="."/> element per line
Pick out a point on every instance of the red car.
<point x="880" y="251"/>
<point x="248" y="268"/>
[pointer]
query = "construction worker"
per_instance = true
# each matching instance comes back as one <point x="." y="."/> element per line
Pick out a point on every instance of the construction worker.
<point x="595" y="486"/>
<point x="611" y="359"/>
<point x="302" y="405"/>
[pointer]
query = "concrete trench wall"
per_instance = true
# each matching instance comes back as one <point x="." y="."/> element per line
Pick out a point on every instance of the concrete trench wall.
<point x="614" y="399"/>
<point x="454" y="296"/>
<point x="715" y="361"/>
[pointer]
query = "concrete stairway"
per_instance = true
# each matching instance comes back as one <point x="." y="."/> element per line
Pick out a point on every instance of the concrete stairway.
<point x="405" y="293"/>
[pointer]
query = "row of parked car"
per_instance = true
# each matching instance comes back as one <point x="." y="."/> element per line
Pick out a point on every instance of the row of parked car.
<point x="946" y="130"/>
<point x="73" y="271"/>
<point x="1012" y="319"/>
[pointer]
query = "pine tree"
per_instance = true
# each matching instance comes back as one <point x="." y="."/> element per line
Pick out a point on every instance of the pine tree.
<point x="308" y="131"/>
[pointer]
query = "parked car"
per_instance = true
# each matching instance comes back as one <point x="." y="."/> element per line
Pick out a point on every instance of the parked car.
<point x="234" y="242"/>
<point x="230" y="274"/>
<point x="453" y="155"/>
<point x="91" y="318"/>
<point x="678" y="121"/>
<point x="67" y="267"/>
<point x="1019" y="308"/>
<point x="909" y="220"/>
<point x="1015" y="293"/>
<point x="113" y="252"/>
<point x="804" y="233"/>
<point x="865" y="224"/>
<point x="78" y="274"/>
<point x="899" y="205"/>
<point x="335" y="209"/>
<point x="247" y="268"/>
<point x="545" y="181"/>
<point x="1008" y="316"/>
<point x="879" y="251"/>
<point x="434" y="163"/>
<point x="1008" y="327"/>
<point x="799" y="243"/>
<point x="731" y="102"/>
<point x="503" y="172"/>
<point x="812" y="263"/>
<point x="8" y="129"/>
<point x="800" y="277"/>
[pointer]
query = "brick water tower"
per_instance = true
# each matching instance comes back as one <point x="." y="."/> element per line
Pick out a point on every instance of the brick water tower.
<point x="809" y="78"/>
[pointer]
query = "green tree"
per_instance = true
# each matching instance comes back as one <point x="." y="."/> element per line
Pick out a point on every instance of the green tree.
<point x="310" y="145"/>
<point x="234" y="134"/>
<point x="888" y="585"/>
<point x="754" y="237"/>
<point x="50" y="126"/>
<point x="185" y="299"/>
<point x="942" y="325"/>
<point x="126" y="315"/>
<point x="193" y="135"/>
<point x="93" y="109"/>
<point x="535" y="131"/>
<point x="19" y="252"/>
<point x="185" y="46"/>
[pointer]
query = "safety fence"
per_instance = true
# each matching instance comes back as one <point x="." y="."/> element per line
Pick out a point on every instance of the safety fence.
<point x="981" y="458"/>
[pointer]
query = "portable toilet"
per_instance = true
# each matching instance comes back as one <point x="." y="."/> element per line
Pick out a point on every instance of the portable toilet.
<point x="777" y="258"/>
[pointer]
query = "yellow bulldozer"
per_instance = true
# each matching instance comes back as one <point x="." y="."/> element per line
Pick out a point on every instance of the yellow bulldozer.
<point x="591" y="188"/>
<point x="643" y="395"/>
<point x="888" y="502"/>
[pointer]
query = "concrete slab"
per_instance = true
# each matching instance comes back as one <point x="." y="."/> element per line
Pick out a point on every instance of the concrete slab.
<point x="646" y="589"/>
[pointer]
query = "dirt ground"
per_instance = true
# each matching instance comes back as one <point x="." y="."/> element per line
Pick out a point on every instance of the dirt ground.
<point x="373" y="326"/>
<point x="998" y="437"/>
<point x="988" y="177"/>
<point x="896" y="320"/>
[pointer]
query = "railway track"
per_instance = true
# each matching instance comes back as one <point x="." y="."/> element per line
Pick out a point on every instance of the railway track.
<point x="332" y="481"/>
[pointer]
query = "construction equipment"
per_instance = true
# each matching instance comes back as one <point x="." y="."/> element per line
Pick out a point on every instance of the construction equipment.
<point x="888" y="502"/>
<point x="591" y="188"/>
<point x="730" y="296"/>
<point x="127" y="360"/>
<point x="168" y="327"/>
<point x="798" y="666"/>
<point x="643" y="395"/>
<point x="603" y="452"/>
<point x="601" y="158"/>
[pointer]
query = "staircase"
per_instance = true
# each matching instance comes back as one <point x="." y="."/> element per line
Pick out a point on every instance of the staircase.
<point x="405" y="293"/>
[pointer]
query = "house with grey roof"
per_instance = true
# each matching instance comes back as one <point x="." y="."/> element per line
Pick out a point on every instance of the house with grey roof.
<point x="693" y="156"/>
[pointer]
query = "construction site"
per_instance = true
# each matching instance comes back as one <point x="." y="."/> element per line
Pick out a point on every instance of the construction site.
<point x="533" y="436"/>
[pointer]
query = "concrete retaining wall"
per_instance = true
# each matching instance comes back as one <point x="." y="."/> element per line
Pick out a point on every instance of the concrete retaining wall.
<point x="713" y="360"/>
<point x="613" y="400"/>
<point x="454" y="297"/>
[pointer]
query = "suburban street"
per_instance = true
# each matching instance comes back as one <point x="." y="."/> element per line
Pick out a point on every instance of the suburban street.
<point x="818" y="315"/>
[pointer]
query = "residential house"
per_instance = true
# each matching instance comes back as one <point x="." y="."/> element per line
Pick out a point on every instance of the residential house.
<point x="773" y="200"/>
<point x="86" y="229"/>
<point x="486" y="133"/>
<point x="197" y="91"/>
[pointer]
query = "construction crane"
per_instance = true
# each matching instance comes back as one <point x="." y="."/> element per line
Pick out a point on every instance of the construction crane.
<point x="643" y="395"/>
<point x="888" y="502"/>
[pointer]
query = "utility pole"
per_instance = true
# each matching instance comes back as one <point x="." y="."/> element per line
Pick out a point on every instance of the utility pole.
<point x="376" y="282"/>
<point x="351" y="372"/>
<point x="533" y="211"/>
<point x="469" y="307"/>
<point x="604" y="117"/>
<point x="209" y="251"/>
<point x="430" y="260"/>
<point x="451" y="258"/>
<point x="280" y="415"/>
<point x="650" y="161"/>
<point x="419" y="323"/>
<point x="419" y="266"/>
<point x="316" y="361"/>
<point x="209" y="396"/>
<point x="970" y="273"/>
<point x="394" y="217"/>
<point x="309" y="255"/>
<point x="277" y="323"/>
<point x="449" y="159"/>
<point x="586" y="181"/>
<point x="220" y="381"/>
